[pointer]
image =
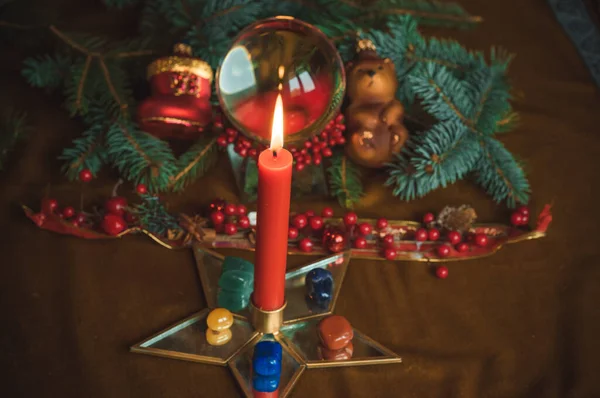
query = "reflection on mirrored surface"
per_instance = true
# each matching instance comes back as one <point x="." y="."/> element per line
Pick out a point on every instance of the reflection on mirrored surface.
<point x="189" y="340"/>
<point x="241" y="366"/>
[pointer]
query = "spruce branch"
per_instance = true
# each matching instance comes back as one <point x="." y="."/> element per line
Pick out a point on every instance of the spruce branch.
<point x="154" y="217"/>
<point x="194" y="163"/>
<point x="14" y="127"/>
<point x="344" y="180"/>
<point x="86" y="153"/>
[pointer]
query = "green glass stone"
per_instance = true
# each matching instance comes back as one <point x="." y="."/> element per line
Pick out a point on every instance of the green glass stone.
<point x="233" y="301"/>
<point x="238" y="281"/>
<point x="238" y="264"/>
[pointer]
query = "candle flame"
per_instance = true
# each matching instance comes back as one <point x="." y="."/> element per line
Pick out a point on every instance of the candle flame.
<point x="277" y="129"/>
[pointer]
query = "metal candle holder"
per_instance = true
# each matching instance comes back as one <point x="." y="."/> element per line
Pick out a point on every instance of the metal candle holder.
<point x="297" y="334"/>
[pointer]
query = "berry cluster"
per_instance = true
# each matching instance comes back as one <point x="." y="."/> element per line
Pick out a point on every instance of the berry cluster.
<point x="228" y="217"/>
<point x="308" y="224"/>
<point x="520" y="217"/>
<point x="312" y="151"/>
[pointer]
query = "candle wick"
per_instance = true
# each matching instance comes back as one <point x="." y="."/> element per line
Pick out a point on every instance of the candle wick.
<point x="274" y="153"/>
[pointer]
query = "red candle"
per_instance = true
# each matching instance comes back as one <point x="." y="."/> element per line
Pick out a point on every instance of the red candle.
<point x="274" y="189"/>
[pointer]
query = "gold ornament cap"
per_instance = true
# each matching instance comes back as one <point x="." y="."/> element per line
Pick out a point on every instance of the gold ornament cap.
<point x="182" y="62"/>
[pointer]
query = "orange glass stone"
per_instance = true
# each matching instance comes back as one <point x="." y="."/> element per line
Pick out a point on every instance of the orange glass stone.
<point x="219" y="319"/>
<point x="218" y="338"/>
<point x="335" y="332"/>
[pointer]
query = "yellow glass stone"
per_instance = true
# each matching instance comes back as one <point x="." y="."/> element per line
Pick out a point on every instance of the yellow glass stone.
<point x="218" y="338"/>
<point x="219" y="319"/>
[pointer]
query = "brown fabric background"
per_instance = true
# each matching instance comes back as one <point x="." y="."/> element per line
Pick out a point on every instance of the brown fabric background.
<point x="522" y="323"/>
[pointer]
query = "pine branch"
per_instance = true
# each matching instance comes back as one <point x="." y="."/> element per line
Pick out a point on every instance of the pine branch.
<point x="194" y="163"/>
<point x="154" y="217"/>
<point x="46" y="71"/>
<point x="14" y="127"/>
<point x="344" y="180"/>
<point x="86" y="153"/>
<point x="434" y="159"/>
<point x="139" y="156"/>
<point x="500" y="174"/>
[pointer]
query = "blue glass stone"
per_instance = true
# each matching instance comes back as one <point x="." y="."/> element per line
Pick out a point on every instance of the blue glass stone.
<point x="265" y="383"/>
<point x="266" y="360"/>
<point x="319" y="286"/>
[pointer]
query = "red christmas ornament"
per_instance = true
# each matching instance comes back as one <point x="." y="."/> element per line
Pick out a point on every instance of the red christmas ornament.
<point x="113" y="224"/>
<point x="462" y="247"/>
<point x="316" y="223"/>
<point x="388" y="240"/>
<point x="217" y="217"/>
<point x="421" y="235"/>
<point x="327" y="212"/>
<point x="49" y="206"/>
<point x="334" y="240"/>
<point x="116" y="205"/>
<point x="454" y="237"/>
<point x="180" y="103"/>
<point x="141" y="189"/>
<point x="516" y="219"/>
<point x="428" y="218"/>
<point x="230" y="210"/>
<point x="243" y="222"/>
<point x="350" y="218"/>
<point x="523" y="210"/>
<point x="299" y="221"/>
<point x="305" y="245"/>
<point x="360" y="242"/>
<point x="292" y="233"/>
<point x="441" y="272"/>
<point x="481" y="240"/>
<point x="230" y="229"/>
<point x="443" y="250"/>
<point x="382" y="223"/>
<point x="390" y="254"/>
<point x="365" y="229"/>
<point x="68" y="212"/>
<point x="241" y="210"/>
<point x="433" y="234"/>
<point x="85" y="175"/>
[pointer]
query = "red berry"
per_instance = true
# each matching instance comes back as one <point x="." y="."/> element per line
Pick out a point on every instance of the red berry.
<point x="360" y="242"/>
<point x="525" y="219"/>
<point x="388" y="240"/>
<point x="433" y="234"/>
<point x="421" y="235"/>
<point x="113" y="224"/>
<point x="243" y="152"/>
<point x="341" y="127"/>
<point x="382" y="223"/>
<point x="481" y="240"/>
<point x="39" y="219"/>
<point x="231" y="132"/>
<point x="307" y="144"/>
<point x="49" y="206"/>
<point x="247" y="143"/>
<point x="309" y="213"/>
<point x="85" y="175"/>
<point x="316" y="149"/>
<point x="68" y="212"/>
<point x="316" y="223"/>
<point x="332" y="142"/>
<point x="523" y="210"/>
<point x="230" y="229"/>
<point x="300" y="166"/>
<point x="326" y="152"/>
<point x="305" y="245"/>
<point x="443" y="250"/>
<point x="230" y="209"/>
<point x="516" y="219"/>
<point x="303" y="151"/>
<point x="307" y="159"/>
<point x="293" y="149"/>
<point x="336" y="134"/>
<point x="462" y="247"/>
<point x="241" y="210"/>
<point x="340" y="140"/>
<point x="230" y="139"/>
<point x="454" y="237"/>
<point x="324" y="145"/>
<point x="324" y="134"/>
<point x="222" y="141"/>
<point x="365" y="229"/>
<point x="252" y="152"/>
<point x="81" y="218"/>
<point x="317" y="159"/>
<point x="293" y="233"/>
<point x="116" y="205"/>
<point x="243" y="222"/>
<point x="217" y="217"/>
<point x="299" y="221"/>
<point x="441" y="272"/>
<point x="315" y="140"/>
<point x="339" y="118"/>
<point x="218" y="124"/>
<point x="350" y="218"/>
<point x="327" y="212"/>
<point x="390" y="254"/>
<point x="429" y="217"/>
<point x="141" y="189"/>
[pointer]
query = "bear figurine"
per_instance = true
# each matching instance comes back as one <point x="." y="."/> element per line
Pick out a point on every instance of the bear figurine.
<point x="374" y="116"/>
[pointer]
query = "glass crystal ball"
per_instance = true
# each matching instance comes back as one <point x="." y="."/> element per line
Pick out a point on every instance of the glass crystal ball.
<point x="284" y="56"/>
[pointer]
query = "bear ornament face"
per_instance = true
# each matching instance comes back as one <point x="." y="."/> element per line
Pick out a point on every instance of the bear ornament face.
<point x="374" y="116"/>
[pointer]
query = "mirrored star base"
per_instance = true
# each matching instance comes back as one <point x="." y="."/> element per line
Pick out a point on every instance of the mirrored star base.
<point x="298" y="336"/>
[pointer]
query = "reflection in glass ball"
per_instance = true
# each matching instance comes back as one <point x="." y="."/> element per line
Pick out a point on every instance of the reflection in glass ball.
<point x="287" y="56"/>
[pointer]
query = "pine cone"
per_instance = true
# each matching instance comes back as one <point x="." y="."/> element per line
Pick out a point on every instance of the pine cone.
<point x="457" y="218"/>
